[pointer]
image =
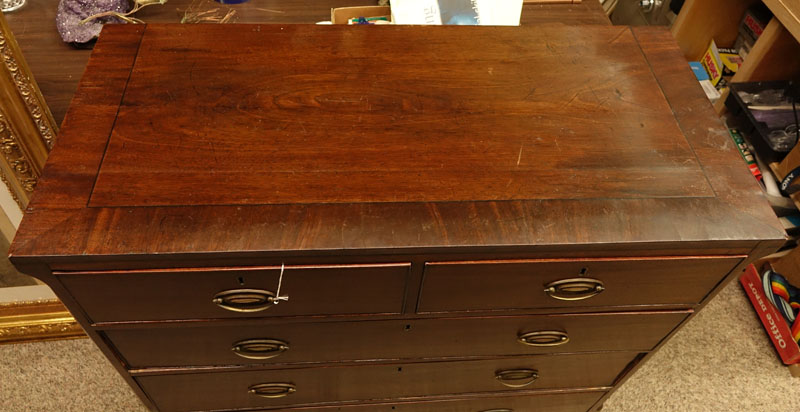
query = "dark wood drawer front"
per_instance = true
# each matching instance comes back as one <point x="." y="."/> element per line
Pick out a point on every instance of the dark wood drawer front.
<point x="572" y="402"/>
<point x="262" y="343"/>
<point x="190" y="293"/>
<point x="229" y="390"/>
<point x="522" y="284"/>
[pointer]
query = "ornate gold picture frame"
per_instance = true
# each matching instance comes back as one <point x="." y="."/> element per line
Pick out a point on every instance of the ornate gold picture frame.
<point x="27" y="129"/>
<point x="27" y="133"/>
<point x="36" y="320"/>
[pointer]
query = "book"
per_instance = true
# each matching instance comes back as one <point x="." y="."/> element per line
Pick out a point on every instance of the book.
<point x="457" y="12"/>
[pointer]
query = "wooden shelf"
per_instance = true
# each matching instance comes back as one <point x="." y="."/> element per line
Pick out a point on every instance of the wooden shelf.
<point x="768" y="59"/>
<point x="773" y="56"/>
<point x="788" y="13"/>
<point x="702" y="20"/>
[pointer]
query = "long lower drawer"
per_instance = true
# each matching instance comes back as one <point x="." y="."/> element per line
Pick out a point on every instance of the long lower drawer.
<point x="316" y="386"/>
<point x="264" y="342"/>
<point x="563" y="402"/>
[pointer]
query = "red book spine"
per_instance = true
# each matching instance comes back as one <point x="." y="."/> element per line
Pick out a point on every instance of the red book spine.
<point x="773" y="322"/>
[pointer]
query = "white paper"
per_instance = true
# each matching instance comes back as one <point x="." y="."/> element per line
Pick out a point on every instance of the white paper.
<point x="457" y="12"/>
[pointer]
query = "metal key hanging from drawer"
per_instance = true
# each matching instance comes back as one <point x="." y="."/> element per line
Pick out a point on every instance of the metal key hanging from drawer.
<point x="278" y="298"/>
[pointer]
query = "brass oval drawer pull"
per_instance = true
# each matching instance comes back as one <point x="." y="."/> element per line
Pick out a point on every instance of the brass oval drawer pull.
<point x="272" y="390"/>
<point x="244" y="300"/>
<point x="574" y="289"/>
<point x="259" y="348"/>
<point x="544" y="338"/>
<point x="517" y="378"/>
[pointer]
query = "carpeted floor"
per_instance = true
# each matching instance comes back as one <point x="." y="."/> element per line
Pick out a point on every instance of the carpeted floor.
<point x="721" y="361"/>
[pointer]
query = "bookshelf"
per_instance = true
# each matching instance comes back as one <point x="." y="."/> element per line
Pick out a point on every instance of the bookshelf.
<point x="774" y="55"/>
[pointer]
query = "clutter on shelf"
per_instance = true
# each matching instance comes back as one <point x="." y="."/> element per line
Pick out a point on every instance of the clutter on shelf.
<point x="768" y="112"/>
<point x="722" y="61"/>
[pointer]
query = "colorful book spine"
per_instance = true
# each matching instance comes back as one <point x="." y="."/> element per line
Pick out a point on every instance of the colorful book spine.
<point x="745" y="152"/>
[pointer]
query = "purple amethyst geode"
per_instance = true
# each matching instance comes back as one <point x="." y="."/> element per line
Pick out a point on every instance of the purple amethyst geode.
<point x="71" y="12"/>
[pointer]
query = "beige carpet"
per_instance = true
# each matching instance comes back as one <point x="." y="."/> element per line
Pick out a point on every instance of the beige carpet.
<point x="721" y="361"/>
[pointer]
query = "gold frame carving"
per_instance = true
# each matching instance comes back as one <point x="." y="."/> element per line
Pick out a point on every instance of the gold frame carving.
<point x="27" y="128"/>
<point x="36" y="321"/>
<point x="27" y="133"/>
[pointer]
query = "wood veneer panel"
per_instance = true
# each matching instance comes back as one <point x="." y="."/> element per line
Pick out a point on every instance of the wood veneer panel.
<point x="567" y="402"/>
<point x="58" y="66"/>
<point x="225" y="390"/>
<point x="188" y="294"/>
<point x="497" y="285"/>
<point x="322" y="118"/>
<point x="736" y="213"/>
<point x="210" y="344"/>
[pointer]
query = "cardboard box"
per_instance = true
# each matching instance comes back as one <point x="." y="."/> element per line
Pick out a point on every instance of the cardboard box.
<point x="753" y="23"/>
<point x="341" y="15"/>
<point x="778" y="331"/>
<point x="713" y="64"/>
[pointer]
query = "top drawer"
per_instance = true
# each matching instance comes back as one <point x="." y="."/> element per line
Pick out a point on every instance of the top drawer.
<point x="205" y="293"/>
<point x="570" y="283"/>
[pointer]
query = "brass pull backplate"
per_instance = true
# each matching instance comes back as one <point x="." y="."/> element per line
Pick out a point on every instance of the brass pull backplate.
<point x="244" y="300"/>
<point x="544" y="338"/>
<point x="517" y="378"/>
<point x="259" y="349"/>
<point x="272" y="390"/>
<point x="574" y="288"/>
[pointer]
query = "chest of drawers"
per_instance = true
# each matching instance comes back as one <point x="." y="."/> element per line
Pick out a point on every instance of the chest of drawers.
<point x="450" y="219"/>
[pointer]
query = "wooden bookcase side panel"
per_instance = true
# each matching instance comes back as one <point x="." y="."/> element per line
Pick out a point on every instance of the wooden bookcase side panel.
<point x="788" y="12"/>
<point x="702" y="20"/>
<point x="773" y="57"/>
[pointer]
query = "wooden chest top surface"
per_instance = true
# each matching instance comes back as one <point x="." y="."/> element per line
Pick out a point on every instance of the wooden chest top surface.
<point x="303" y="137"/>
<point x="300" y="114"/>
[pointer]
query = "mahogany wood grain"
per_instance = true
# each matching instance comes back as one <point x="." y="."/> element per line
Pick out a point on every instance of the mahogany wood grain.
<point x="566" y="402"/>
<point x="51" y="229"/>
<point x="497" y="285"/>
<point x="692" y="112"/>
<point x="719" y="212"/>
<point x="295" y="114"/>
<point x="57" y="66"/>
<point x="225" y="390"/>
<point x="184" y="294"/>
<point x="198" y="345"/>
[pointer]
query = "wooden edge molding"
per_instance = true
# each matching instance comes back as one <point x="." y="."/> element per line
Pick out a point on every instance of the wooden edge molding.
<point x="36" y="321"/>
<point x="27" y="128"/>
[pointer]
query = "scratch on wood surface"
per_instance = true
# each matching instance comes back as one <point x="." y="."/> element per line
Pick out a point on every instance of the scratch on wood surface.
<point x="269" y="10"/>
<point x="615" y="38"/>
<point x="574" y="96"/>
<point x="519" y="157"/>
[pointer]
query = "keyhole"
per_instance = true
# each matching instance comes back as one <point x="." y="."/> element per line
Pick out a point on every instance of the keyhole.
<point x="399" y="369"/>
<point x="407" y="328"/>
<point x="241" y="281"/>
<point x="584" y="271"/>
